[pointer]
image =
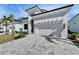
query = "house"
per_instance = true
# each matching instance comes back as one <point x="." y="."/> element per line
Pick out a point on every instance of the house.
<point x="1" y="28"/>
<point x="47" y="23"/>
<point x="73" y="24"/>
<point x="17" y="26"/>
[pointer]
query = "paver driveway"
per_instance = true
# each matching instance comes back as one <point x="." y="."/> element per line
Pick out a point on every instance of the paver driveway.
<point x="36" y="45"/>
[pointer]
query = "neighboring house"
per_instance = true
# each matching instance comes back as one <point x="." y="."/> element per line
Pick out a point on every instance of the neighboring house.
<point x="74" y="23"/>
<point x="24" y="23"/>
<point x="0" y="24"/>
<point x="17" y="26"/>
<point x="1" y="28"/>
<point x="47" y="23"/>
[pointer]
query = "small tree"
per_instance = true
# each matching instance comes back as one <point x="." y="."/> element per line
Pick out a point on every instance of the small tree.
<point x="11" y="19"/>
<point x="4" y="22"/>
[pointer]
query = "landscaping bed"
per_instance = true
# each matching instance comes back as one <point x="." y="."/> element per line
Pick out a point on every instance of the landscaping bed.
<point x="6" y="38"/>
<point x="74" y="37"/>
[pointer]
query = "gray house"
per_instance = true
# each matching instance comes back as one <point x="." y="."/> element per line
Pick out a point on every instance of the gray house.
<point x="74" y="23"/>
<point x="47" y="23"/>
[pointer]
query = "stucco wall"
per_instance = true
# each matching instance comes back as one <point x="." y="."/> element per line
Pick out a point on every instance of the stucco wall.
<point x="24" y="22"/>
<point x="64" y="33"/>
<point x="51" y="27"/>
<point x="73" y="24"/>
<point x="17" y="27"/>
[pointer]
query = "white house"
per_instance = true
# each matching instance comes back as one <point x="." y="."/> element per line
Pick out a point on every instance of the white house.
<point x="17" y="26"/>
<point x="47" y="23"/>
<point x="43" y="22"/>
<point x="74" y="23"/>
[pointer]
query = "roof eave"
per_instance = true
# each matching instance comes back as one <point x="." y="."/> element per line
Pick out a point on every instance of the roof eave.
<point x="55" y="9"/>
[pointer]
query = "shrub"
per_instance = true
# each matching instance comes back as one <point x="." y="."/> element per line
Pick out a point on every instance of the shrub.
<point x="78" y="36"/>
<point x="73" y="36"/>
<point x="25" y="32"/>
<point x="69" y="31"/>
<point x="69" y="36"/>
<point x="19" y="36"/>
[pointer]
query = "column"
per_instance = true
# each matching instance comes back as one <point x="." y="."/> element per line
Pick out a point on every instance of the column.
<point x="29" y="24"/>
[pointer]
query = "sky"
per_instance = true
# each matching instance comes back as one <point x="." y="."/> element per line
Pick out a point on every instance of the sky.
<point x="19" y="9"/>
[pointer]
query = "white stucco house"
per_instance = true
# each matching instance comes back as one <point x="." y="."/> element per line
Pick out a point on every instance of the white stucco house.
<point x="17" y="26"/>
<point x="47" y="23"/>
<point x="74" y="23"/>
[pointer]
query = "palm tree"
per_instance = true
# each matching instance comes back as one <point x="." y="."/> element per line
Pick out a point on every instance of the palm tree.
<point x="11" y="19"/>
<point x="4" y="22"/>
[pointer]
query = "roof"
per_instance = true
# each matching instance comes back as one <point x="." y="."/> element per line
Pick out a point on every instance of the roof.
<point x="33" y="10"/>
<point x="23" y="18"/>
<point x="55" y="9"/>
<point x="43" y="10"/>
<point x="33" y="7"/>
<point x="17" y="20"/>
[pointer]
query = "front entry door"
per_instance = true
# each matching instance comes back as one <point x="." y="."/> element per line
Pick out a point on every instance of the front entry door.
<point x="32" y="26"/>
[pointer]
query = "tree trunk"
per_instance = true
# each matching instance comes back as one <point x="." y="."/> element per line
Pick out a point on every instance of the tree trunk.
<point x="6" y="28"/>
<point x="13" y="29"/>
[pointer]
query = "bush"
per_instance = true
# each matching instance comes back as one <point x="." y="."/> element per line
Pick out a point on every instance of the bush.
<point x="25" y="32"/>
<point x="69" y="35"/>
<point x="78" y="36"/>
<point x="69" y="31"/>
<point x="19" y="36"/>
<point x="73" y="36"/>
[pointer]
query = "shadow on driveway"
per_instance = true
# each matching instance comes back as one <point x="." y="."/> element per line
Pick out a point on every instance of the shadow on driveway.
<point x="50" y="39"/>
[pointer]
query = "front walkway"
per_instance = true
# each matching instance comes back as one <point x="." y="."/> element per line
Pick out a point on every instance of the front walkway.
<point x="36" y="45"/>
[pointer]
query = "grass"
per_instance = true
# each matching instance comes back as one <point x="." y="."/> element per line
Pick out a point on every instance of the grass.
<point x="6" y="38"/>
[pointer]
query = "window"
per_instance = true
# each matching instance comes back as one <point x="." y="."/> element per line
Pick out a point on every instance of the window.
<point x="25" y="26"/>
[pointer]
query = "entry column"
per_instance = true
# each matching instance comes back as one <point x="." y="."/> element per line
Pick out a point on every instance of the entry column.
<point x="29" y="24"/>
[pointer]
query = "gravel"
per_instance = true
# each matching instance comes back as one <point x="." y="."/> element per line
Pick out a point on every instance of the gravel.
<point x="37" y="45"/>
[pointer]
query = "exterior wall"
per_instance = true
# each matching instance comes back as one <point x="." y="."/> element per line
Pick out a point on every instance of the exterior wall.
<point x="50" y="27"/>
<point x="1" y="26"/>
<point x="25" y="30"/>
<point x="52" y="23"/>
<point x="24" y="22"/>
<point x="17" y="27"/>
<point x="64" y="33"/>
<point x="73" y="24"/>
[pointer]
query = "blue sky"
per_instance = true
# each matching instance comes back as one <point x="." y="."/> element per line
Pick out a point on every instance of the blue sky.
<point x="19" y="9"/>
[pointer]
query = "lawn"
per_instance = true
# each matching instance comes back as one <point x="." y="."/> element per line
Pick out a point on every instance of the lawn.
<point x="6" y="38"/>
